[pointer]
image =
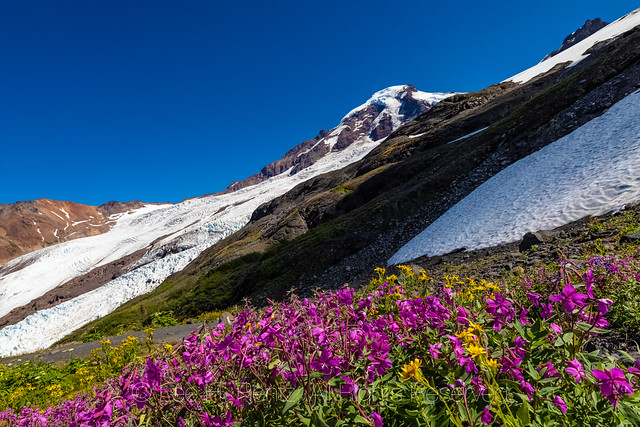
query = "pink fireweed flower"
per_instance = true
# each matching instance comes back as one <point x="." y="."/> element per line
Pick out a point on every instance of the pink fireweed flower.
<point x="349" y="389"/>
<point x="511" y="368"/>
<point x="326" y="364"/>
<point x="498" y="305"/>
<point x="234" y="400"/>
<point x="555" y="328"/>
<point x="547" y="310"/>
<point x="550" y="370"/>
<point x="576" y="370"/>
<point x="589" y="279"/>
<point x="603" y="305"/>
<point x="458" y="348"/>
<point x="558" y="401"/>
<point x="486" y="416"/>
<point x="501" y="308"/>
<point x="595" y="319"/>
<point x="377" y="419"/>
<point x="478" y="386"/>
<point x="434" y="349"/>
<point x="527" y="388"/>
<point x="613" y="384"/>
<point x="570" y="298"/>
<point x="534" y="298"/>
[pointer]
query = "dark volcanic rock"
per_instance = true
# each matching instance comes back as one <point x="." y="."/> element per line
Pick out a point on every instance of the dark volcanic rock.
<point x="535" y="238"/>
<point x="590" y="27"/>
<point x="630" y="238"/>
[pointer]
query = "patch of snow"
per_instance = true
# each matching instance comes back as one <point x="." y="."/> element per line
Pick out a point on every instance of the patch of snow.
<point x="65" y="212"/>
<point x="593" y="170"/>
<point x="55" y="233"/>
<point x="73" y="224"/>
<point x="576" y="53"/>
<point x="417" y="136"/>
<point x="467" y="135"/>
<point x="432" y="97"/>
<point x="388" y="97"/>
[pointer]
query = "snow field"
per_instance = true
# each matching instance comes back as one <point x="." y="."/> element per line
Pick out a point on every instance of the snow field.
<point x="593" y="170"/>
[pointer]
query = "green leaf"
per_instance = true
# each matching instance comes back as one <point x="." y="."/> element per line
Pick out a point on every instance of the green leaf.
<point x="361" y="420"/>
<point x="520" y="329"/>
<point x="317" y="420"/>
<point x="273" y="363"/>
<point x="568" y="337"/>
<point x="294" y="398"/>
<point x="523" y="414"/>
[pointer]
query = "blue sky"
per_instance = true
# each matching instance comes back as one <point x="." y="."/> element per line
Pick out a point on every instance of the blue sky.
<point x="163" y="100"/>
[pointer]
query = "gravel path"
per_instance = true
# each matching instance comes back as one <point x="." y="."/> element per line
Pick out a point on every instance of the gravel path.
<point x="63" y="353"/>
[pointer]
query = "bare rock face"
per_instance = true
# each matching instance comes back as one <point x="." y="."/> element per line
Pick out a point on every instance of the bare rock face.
<point x="373" y="121"/>
<point x="590" y="27"/>
<point x="113" y="207"/>
<point x="27" y="226"/>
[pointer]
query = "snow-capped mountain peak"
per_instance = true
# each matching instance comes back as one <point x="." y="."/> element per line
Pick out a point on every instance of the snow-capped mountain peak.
<point x="371" y="122"/>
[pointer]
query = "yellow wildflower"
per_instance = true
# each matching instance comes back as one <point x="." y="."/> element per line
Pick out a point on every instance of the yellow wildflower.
<point x="406" y="270"/>
<point x="392" y="278"/>
<point x="466" y="335"/>
<point x="475" y="326"/>
<point x="379" y="271"/>
<point x="475" y="350"/>
<point x="423" y="277"/>
<point x="492" y="364"/>
<point x="412" y="370"/>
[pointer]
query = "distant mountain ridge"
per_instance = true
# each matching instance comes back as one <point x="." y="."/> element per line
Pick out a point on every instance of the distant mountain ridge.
<point x="30" y="225"/>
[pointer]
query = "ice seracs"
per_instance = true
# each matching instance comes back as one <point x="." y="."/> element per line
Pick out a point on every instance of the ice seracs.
<point x="593" y="170"/>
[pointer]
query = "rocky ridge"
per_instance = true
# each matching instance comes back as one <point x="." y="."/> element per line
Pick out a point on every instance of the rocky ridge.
<point x="590" y="27"/>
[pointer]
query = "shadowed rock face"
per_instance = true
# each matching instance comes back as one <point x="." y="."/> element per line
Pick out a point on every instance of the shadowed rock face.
<point x="590" y="27"/>
<point x="27" y="226"/>
<point x="374" y="120"/>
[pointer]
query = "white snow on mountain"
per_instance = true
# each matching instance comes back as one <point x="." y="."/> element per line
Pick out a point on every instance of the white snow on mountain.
<point x="388" y="97"/>
<point x="190" y="226"/>
<point x="593" y="170"/>
<point x="576" y="53"/>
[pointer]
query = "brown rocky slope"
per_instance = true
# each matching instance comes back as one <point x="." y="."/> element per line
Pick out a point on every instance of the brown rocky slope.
<point x="27" y="226"/>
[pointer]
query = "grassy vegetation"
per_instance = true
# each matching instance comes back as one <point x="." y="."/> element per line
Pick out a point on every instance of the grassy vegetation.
<point x="36" y="383"/>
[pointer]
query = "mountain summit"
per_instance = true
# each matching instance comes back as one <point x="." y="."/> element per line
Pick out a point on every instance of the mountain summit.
<point x="373" y="121"/>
